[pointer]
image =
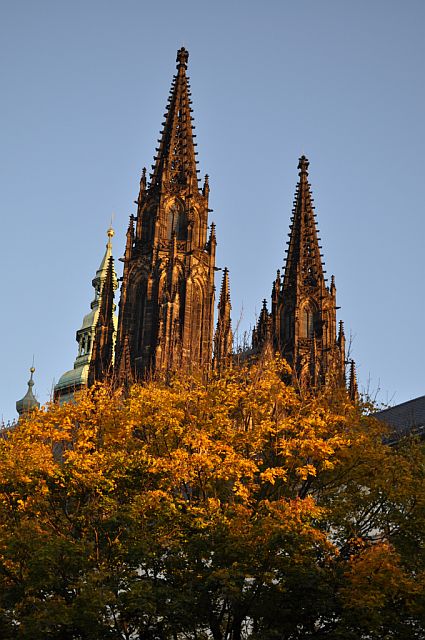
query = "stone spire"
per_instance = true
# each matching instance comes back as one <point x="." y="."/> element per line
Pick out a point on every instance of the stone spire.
<point x="175" y="162"/>
<point x="77" y="378"/>
<point x="28" y="402"/>
<point x="353" y="390"/>
<point x="304" y="261"/>
<point x="102" y="358"/>
<point x="261" y="333"/>
<point x="166" y="316"/>
<point x="303" y="306"/>
<point x="223" y="338"/>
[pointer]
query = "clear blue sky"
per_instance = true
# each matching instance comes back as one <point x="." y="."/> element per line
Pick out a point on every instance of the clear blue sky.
<point x="84" y="86"/>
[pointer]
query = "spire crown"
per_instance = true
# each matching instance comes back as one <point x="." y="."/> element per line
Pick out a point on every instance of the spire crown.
<point x="175" y="161"/>
<point x="110" y="233"/>
<point x="182" y="58"/>
<point x="304" y="267"/>
<point x="303" y="165"/>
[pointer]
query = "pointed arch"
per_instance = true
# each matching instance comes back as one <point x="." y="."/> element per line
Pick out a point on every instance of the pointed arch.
<point x="195" y="310"/>
<point x="176" y="221"/>
<point x="308" y="317"/>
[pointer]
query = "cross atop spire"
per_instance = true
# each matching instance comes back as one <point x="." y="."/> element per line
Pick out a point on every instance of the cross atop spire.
<point x="175" y="163"/>
<point x="303" y="165"/>
<point x="182" y="57"/>
<point x="304" y="262"/>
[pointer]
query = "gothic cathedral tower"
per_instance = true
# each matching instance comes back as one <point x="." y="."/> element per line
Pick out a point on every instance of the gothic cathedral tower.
<point x="167" y="294"/>
<point x="302" y="325"/>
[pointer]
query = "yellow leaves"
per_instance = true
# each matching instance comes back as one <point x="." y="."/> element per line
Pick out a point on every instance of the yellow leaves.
<point x="271" y="474"/>
<point x="304" y="472"/>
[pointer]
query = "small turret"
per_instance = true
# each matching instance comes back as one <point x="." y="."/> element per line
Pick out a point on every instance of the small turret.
<point x="341" y="338"/>
<point x="130" y="239"/>
<point x="352" y="385"/>
<point x="206" y="187"/>
<point x="212" y="242"/>
<point x="261" y="334"/>
<point x="142" y="187"/>
<point x="223" y="338"/>
<point x="28" y="403"/>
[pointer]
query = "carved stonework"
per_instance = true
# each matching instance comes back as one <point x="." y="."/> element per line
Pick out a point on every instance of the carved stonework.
<point x="167" y="299"/>
<point x="302" y="322"/>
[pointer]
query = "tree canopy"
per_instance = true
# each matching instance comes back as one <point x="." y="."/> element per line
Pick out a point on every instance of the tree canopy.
<point x="233" y="509"/>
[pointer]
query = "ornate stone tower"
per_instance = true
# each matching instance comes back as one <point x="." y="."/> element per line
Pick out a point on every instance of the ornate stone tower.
<point x="167" y="293"/>
<point x="303" y="316"/>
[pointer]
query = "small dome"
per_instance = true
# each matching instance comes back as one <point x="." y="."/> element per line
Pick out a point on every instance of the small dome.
<point x="28" y="402"/>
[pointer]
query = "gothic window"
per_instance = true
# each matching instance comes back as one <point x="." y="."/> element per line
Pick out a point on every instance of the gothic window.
<point x="177" y="222"/>
<point x="196" y="323"/>
<point x="307" y="322"/>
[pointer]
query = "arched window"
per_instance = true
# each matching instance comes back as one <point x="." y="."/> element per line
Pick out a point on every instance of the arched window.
<point x="177" y="222"/>
<point x="197" y="299"/>
<point x="307" y="322"/>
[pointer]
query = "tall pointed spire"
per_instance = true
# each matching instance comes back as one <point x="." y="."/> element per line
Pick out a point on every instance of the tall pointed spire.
<point x="175" y="163"/>
<point x="223" y="338"/>
<point x="104" y="337"/>
<point x="261" y="333"/>
<point x="303" y="306"/>
<point x="28" y="402"/>
<point x="167" y="294"/>
<point x="304" y="261"/>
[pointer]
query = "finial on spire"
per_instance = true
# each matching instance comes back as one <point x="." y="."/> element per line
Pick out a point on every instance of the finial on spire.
<point x="303" y="165"/>
<point x="182" y="58"/>
<point x="110" y="233"/>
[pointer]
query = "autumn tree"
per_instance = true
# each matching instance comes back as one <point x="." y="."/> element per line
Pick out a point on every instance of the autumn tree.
<point x="234" y="509"/>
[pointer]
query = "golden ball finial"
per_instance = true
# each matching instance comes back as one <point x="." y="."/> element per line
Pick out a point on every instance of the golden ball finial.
<point x="32" y="369"/>
<point x="110" y="232"/>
